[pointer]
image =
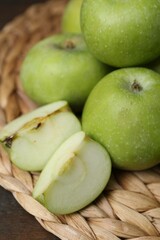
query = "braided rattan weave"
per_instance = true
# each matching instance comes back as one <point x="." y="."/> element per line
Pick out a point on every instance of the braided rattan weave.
<point x="130" y="206"/>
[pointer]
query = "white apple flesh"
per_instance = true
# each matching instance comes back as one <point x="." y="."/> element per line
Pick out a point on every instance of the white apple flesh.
<point x="74" y="176"/>
<point x="12" y="127"/>
<point x="34" y="142"/>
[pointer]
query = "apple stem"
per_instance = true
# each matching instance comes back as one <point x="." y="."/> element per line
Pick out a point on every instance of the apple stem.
<point x="69" y="44"/>
<point x="136" y="87"/>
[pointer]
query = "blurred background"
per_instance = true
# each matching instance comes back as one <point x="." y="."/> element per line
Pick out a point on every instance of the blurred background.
<point x="10" y="8"/>
<point x="16" y="223"/>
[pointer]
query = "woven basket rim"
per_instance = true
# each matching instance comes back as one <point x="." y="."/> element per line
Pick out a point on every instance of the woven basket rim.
<point x="128" y="208"/>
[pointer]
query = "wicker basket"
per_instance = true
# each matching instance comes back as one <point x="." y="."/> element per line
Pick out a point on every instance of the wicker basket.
<point x="129" y="207"/>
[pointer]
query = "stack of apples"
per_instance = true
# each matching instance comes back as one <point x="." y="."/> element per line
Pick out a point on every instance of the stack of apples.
<point x="104" y="67"/>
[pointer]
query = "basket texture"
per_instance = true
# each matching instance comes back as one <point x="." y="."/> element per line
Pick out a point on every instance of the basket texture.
<point x="129" y="207"/>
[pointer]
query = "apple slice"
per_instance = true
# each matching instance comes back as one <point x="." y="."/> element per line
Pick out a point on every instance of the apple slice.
<point x="31" y="139"/>
<point x="74" y="176"/>
<point x="12" y="127"/>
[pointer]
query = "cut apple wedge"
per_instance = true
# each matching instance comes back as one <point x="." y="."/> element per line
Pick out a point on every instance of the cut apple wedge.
<point x="31" y="139"/>
<point x="11" y="128"/>
<point x="74" y="176"/>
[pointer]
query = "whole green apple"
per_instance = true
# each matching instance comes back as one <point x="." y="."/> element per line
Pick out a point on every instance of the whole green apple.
<point x="123" y="114"/>
<point x="122" y="33"/>
<point x="71" y="17"/>
<point x="60" y="67"/>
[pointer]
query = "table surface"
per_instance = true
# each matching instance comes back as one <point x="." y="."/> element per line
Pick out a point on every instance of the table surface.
<point x="15" y="222"/>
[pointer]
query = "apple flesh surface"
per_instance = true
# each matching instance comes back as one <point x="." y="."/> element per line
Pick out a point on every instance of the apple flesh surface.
<point x="123" y="114"/>
<point x="122" y="33"/>
<point x="61" y="68"/>
<point x="12" y="127"/>
<point x="71" y="17"/>
<point x="38" y="137"/>
<point x="74" y="176"/>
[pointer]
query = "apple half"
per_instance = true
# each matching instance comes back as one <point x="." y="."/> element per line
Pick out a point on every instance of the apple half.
<point x="74" y="176"/>
<point x="31" y="139"/>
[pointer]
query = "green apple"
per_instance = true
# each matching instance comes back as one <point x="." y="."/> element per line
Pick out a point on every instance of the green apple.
<point x="123" y="114"/>
<point x="32" y="138"/>
<point x="122" y="33"/>
<point x="61" y="68"/>
<point x="71" y="17"/>
<point x="74" y="176"/>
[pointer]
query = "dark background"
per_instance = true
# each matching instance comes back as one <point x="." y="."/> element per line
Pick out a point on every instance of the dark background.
<point x="10" y="8"/>
<point x="15" y="222"/>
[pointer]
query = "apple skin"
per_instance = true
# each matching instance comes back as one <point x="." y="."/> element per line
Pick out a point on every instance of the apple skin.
<point x="60" y="67"/>
<point x="123" y="114"/>
<point x="71" y="17"/>
<point x="122" y="33"/>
